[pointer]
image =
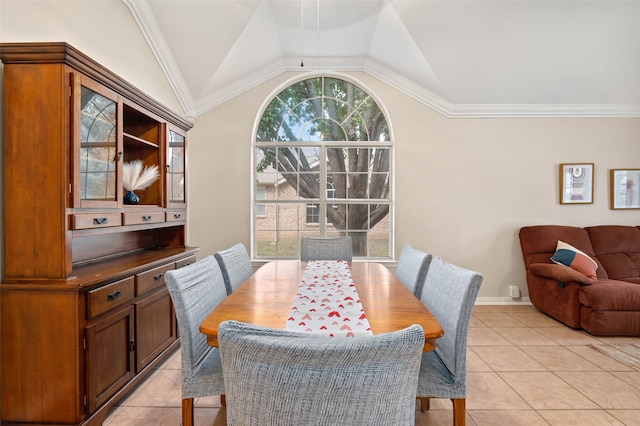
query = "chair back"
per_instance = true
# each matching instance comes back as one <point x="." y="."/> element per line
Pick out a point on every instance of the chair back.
<point x="195" y="290"/>
<point x="328" y="248"/>
<point x="449" y="293"/>
<point x="280" y="377"/>
<point x="235" y="265"/>
<point x="412" y="268"/>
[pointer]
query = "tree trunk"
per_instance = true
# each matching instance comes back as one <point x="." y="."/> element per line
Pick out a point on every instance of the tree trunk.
<point x="359" y="243"/>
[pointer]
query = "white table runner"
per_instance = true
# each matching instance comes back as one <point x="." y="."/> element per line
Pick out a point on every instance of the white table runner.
<point x="327" y="302"/>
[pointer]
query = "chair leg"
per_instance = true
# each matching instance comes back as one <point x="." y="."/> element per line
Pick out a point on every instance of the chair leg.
<point x="223" y="400"/>
<point x="187" y="412"/>
<point x="424" y="403"/>
<point x="459" y="411"/>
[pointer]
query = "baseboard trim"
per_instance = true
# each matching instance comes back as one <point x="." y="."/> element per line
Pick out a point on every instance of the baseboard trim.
<point x="502" y="301"/>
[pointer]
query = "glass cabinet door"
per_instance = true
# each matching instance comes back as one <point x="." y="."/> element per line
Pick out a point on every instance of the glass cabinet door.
<point x="99" y="150"/>
<point x="176" y="168"/>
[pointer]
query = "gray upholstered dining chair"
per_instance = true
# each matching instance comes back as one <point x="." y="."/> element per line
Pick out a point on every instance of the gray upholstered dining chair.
<point x="326" y="248"/>
<point x="196" y="290"/>
<point x="278" y="377"/>
<point x="412" y="268"/>
<point x="235" y="265"/>
<point x="449" y="293"/>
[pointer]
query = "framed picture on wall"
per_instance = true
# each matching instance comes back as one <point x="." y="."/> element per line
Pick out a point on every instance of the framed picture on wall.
<point x="625" y="189"/>
<point x="576" y="183"/>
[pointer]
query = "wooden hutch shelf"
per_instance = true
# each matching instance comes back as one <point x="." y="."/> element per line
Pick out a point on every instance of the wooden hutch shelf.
<point x="86" y="314"/>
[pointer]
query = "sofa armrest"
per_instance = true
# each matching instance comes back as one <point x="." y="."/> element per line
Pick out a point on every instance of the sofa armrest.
<point x="560" y="273"/>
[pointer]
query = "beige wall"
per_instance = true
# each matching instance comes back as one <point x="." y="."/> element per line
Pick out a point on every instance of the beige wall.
<point x="104" y="30"/>
<point x="463" y="187"/>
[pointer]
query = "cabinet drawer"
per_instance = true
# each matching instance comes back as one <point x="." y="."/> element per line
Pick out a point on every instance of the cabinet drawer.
<point x="176" y="216"/>
<point x="142" y="218"/>
<point x="152" y="278"/>
<point x="110" y="296"/>
<point x="186" y="261"/>
<point x="95" y="220"/>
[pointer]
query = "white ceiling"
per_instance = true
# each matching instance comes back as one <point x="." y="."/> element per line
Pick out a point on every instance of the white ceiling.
<point x="462" y="58"/>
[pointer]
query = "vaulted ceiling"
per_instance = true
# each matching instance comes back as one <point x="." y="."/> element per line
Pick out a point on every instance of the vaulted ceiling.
<point x="462" y="58"/>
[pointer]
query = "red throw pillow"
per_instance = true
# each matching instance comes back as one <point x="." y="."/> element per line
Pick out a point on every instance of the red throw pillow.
<point x="570" y="256"/>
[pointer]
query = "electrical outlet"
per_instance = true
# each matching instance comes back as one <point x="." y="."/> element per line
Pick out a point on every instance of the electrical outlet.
<point x="514" y="292"/>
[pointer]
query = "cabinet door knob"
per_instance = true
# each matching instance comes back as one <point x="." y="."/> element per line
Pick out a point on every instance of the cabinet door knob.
<point x="117" y="157"/>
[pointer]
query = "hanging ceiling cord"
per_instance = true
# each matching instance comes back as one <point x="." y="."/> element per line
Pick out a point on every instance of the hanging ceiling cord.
<point x="301" y="33"/>
<point x="318" y="31"/>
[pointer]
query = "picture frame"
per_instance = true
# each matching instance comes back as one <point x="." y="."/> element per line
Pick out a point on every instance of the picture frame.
<point x="624" y="189"/>
<point x="576" y="183"/>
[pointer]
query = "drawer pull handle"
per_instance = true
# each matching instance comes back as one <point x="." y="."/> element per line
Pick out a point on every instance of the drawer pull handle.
<point x="177" y="216"/>
<point x="100" y="220"/>
<point x="157" y="277"/>
<point x="114" y="295"/>
<point x="146" y="218"/>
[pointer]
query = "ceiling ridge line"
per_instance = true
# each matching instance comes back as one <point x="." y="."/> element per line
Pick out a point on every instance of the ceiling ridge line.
<point x="146" y="22"/>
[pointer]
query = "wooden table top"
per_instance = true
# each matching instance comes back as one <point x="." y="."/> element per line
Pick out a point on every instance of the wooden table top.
<point x="267" y="296"/>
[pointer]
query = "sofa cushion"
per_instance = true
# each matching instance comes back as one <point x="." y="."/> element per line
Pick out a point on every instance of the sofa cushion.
<point x="568" y="255"/>
<point x="618" y="250"/>
<point x="560" y="273"/>
<point x="610" y="295"/>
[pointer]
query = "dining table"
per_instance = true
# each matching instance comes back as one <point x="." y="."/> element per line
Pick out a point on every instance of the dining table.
<point x="272" y="296"/>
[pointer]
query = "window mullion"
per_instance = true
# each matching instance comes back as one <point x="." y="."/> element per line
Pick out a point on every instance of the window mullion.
<point x="322" y="191"/>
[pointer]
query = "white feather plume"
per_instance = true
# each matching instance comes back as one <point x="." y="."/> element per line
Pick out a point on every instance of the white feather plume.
<point x="134" y="177"/>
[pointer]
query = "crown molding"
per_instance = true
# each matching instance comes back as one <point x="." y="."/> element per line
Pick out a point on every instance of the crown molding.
<point x="146" y="22"/>
<point x="451" y="110"/>
<point x="148" y="26"/>
<point x="414" y="91"/>
<point x="544" y="111"/>
<point x="239" y="86"/>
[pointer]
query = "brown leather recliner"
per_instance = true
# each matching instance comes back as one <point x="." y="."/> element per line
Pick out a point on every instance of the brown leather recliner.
<point x="606" y="306"/>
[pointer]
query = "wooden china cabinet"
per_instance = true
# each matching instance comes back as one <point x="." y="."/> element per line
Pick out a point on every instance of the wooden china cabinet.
<point x="86" y="314"/>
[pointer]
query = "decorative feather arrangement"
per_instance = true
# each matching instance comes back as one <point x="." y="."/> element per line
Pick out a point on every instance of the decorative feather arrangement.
<point x="134" y="177"/>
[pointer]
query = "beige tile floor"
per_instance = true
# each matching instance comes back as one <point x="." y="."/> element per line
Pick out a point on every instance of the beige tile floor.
<point x="524" y="368"/>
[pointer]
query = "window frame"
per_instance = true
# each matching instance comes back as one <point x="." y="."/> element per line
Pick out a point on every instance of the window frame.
<point x="324" y="201"/>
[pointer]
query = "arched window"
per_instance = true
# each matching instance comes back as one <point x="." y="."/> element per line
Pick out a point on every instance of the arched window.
<point x="322" y="132"/>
